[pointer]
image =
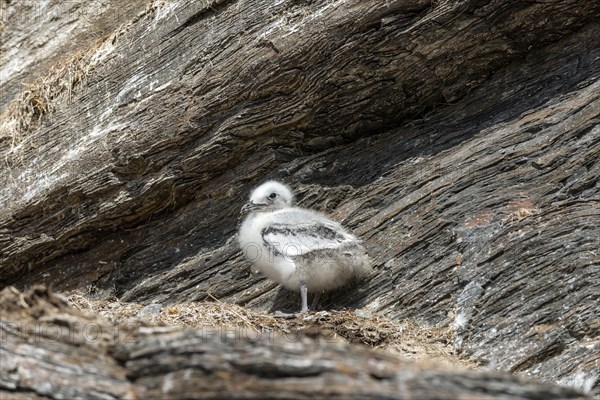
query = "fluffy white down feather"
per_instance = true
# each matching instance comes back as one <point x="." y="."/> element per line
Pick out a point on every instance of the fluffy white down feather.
<point x="291" y="245"/>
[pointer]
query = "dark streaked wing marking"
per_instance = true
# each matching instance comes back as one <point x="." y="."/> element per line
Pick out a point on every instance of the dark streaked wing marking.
<point x="294" y="240"/>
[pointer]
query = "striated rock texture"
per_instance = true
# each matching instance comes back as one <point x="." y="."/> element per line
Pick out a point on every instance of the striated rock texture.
<point x="459" y="139"/>
<point x="77" y="356"/>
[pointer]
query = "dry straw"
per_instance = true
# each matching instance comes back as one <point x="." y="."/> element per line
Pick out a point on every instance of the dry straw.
<point x="37" y="100"/>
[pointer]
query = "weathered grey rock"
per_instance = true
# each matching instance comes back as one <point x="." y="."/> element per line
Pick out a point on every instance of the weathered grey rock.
<point x="460" y="140"/>
<point x="74" y="356"/>
<point x="37" y="36"/>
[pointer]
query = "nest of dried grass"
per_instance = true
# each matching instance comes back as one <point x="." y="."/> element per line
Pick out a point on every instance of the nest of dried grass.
<point x="406" y="339"/>
<point x="403" y="338"/>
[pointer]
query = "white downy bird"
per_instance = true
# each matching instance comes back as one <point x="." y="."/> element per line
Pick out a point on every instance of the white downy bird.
<point x="298" y="248"/>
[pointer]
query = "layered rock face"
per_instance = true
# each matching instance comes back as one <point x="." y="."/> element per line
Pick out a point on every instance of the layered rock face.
<point x="459" y="140"/>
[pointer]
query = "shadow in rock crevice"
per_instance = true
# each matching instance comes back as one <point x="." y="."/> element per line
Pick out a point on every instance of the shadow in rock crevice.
<point x="524" y="85"/>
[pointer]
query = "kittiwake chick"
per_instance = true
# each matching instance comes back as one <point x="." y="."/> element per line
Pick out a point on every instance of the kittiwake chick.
<point x="298" y="248"/>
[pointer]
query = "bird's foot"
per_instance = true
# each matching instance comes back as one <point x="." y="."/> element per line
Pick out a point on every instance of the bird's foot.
<point x="279" y="314"/>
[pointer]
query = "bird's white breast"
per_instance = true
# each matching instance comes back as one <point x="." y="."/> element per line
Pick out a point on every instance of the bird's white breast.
<point x="276" y="267"/>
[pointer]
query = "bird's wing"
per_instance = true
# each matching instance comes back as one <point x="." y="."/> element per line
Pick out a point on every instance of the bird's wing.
<point x="301" y="238"/>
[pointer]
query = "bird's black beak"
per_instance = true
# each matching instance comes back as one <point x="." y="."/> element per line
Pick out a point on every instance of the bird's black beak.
<point x="249" y="207"/>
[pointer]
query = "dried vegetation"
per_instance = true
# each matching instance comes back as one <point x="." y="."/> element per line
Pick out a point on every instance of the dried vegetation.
<point x="38" y="99"/>
<point x="403" y="338"/>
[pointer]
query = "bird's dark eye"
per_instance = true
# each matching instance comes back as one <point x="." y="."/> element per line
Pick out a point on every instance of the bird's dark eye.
<point x="272" y="196"/>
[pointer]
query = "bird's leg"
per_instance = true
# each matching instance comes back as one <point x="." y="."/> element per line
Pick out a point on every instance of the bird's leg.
<point x="304" y="296"/>
<point x="304" y="310"/>
<point x="315" y="301"/>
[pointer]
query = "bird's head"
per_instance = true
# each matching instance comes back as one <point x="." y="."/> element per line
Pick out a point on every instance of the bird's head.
<point x="268" y="197"/>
